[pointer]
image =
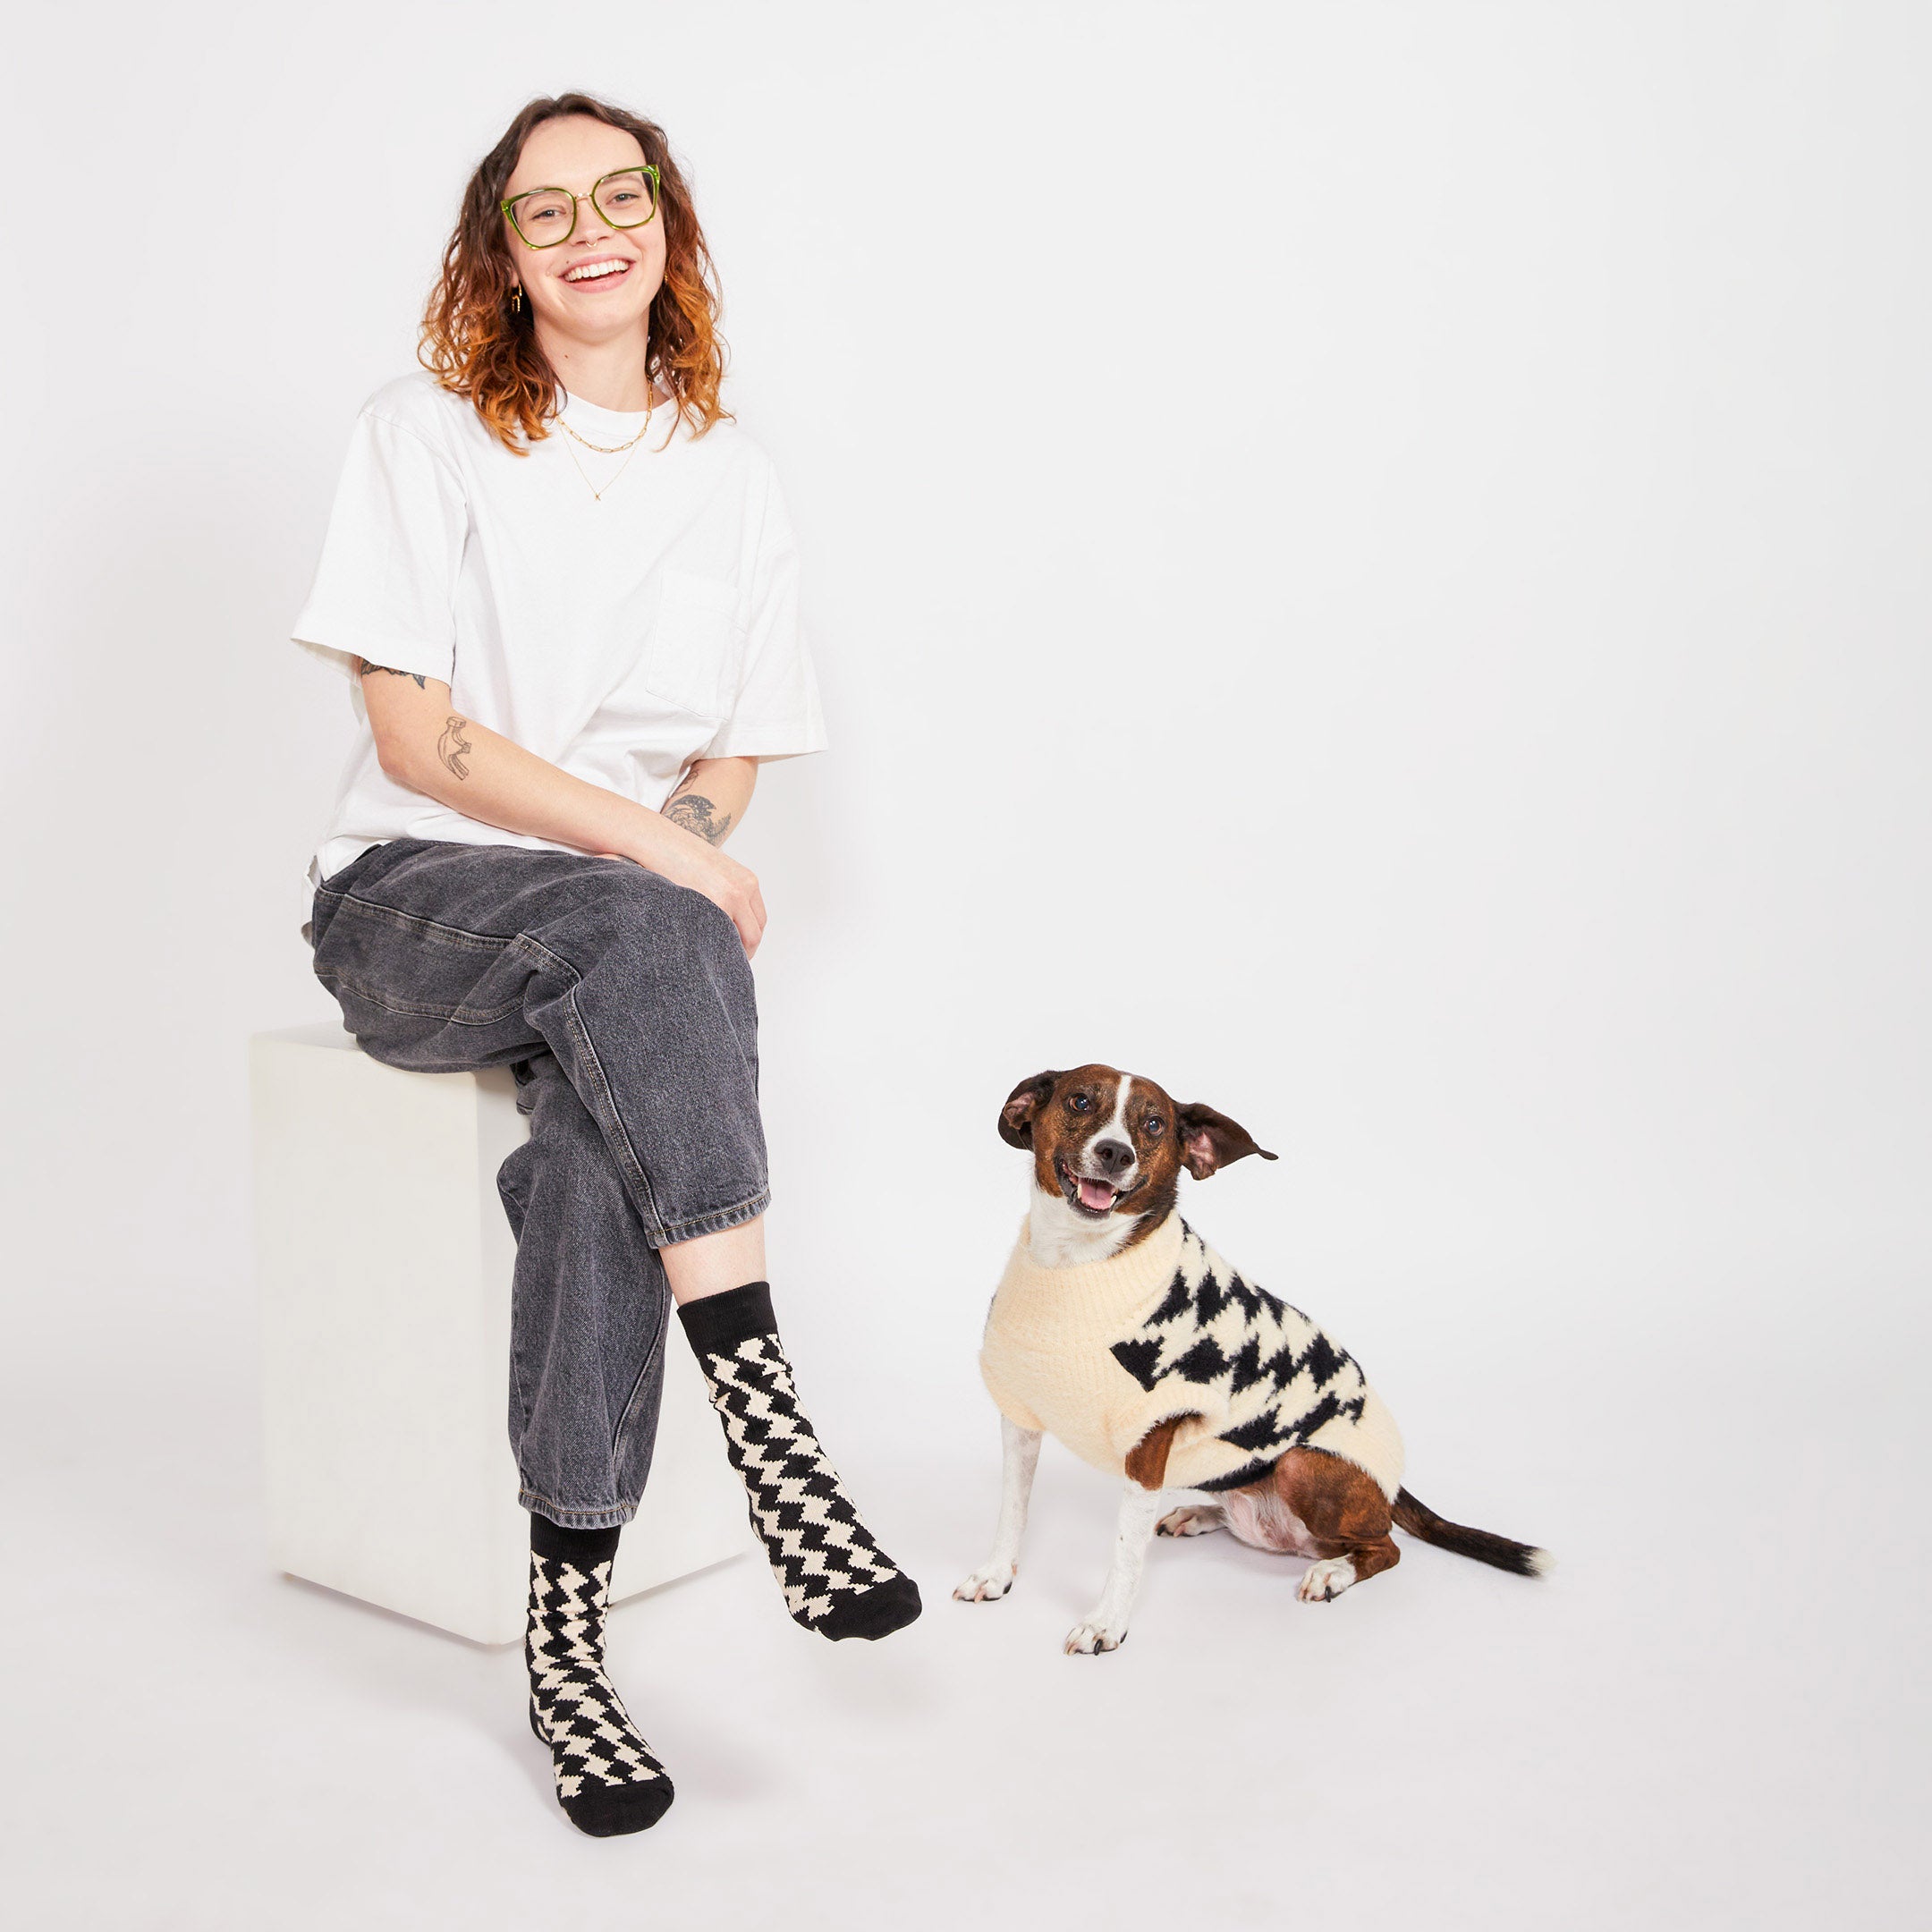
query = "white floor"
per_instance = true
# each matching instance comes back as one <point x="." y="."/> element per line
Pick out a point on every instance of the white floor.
<point x="1712" y="1715"/>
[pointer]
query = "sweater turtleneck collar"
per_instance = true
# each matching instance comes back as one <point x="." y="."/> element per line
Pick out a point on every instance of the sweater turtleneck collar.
<point x="1116" y="1286"/>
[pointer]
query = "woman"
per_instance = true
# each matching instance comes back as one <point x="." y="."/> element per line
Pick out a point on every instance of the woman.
<point x="564" y="587"/>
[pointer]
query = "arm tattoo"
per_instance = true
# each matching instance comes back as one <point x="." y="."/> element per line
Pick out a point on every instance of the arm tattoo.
<point x="698" y="815"/>
<point x="452" y="745"/>
<point x="370" y="670"/>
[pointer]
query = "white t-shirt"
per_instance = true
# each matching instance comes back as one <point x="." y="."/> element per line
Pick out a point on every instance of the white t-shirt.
<point x="620" y="638"/>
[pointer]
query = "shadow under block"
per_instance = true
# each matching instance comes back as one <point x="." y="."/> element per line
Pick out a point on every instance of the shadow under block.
<point x="384" y="1259"/>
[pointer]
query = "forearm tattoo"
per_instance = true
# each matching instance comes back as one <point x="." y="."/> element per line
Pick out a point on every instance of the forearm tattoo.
<point x="370" y="670"/>
<point x="452" y="745"/>
<point x="700" y="815"/>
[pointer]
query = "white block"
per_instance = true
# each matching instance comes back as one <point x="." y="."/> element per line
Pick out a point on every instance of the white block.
<point x="384" y="1260"/>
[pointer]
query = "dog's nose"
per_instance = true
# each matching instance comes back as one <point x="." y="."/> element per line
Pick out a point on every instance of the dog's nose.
<point x="1114" y="1157"/>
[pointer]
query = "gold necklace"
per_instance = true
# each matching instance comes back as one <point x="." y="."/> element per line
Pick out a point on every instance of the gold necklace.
<point x="610" y="449"/>
<point x="616" y="450"/>
<point x="596" y="493"/>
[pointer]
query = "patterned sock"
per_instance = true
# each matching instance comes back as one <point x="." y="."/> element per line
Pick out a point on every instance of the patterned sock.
<point x="607" y="1781"/>
<point x="836" y="1580"/>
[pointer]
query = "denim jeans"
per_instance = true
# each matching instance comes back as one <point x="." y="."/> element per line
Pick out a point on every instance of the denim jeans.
<point x="624" y="1005"/>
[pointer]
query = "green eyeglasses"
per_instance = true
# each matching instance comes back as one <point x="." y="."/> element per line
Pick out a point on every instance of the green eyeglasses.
<point x="626" y="197"/>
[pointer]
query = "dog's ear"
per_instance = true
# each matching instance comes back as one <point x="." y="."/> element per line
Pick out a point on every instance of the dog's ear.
<point x="1210" y="1140"/>
<point x="1016" y="1117"/>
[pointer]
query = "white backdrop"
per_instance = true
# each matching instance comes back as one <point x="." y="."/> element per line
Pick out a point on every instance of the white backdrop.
<point x="1368" y="562"/>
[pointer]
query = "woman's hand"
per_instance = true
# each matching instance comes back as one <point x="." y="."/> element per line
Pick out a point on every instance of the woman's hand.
<point x="686" y="860"/>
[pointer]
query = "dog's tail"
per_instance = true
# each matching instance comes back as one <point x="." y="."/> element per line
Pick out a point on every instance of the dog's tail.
<point x="1422" y="1523"/>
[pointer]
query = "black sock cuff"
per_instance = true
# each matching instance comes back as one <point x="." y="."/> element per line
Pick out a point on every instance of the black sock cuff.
<point x="584" y="1548"/>
<point x="718" y="1323"/>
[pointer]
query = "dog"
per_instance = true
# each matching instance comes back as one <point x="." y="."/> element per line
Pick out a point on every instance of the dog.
<point x="1118" y="1330"/>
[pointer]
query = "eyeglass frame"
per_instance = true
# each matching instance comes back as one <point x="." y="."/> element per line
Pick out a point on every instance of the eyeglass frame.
<point x="636" y="167"/>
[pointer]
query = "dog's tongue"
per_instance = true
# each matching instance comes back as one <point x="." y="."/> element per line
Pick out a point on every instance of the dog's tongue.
<point x="1095" y="1194"/>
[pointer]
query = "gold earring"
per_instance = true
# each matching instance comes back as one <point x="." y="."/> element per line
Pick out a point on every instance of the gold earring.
<point x="516" y="298"/>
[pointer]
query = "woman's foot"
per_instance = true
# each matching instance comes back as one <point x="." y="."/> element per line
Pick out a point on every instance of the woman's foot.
<point x="607" y="1780"/>
<point x="836" y="1580"/>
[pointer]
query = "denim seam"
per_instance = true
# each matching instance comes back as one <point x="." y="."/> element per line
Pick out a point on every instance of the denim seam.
<point x="557" y="1512"/>
<point x="516" y="1384"/>
<point x="606" y="1099"/>
<point x="609" y="1102"/>
<point x="718" y="1219"/>
<point x="333" y="976"/>
<point x="525" y="1413"/>
<point x="427" y="928"/>
<point x="623" y="1416"/>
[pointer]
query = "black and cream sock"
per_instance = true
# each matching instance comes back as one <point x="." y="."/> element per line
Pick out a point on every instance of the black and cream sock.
<point x="607" y="1781"/>
<point x="836" y="1580"/>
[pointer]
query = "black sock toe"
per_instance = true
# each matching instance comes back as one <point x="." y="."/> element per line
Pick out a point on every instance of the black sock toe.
<point x="611" y="1811"/>
<point x="874" y="1612"/>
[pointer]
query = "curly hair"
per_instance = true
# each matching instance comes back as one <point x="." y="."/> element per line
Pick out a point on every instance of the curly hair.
<point x="477" y="346"/>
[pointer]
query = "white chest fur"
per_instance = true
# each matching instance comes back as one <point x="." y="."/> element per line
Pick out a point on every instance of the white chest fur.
<point x="1060" y="1236"/>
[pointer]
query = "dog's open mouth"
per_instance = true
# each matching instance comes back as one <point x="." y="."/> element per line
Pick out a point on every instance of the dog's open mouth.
<point x="1093" y="1199"/>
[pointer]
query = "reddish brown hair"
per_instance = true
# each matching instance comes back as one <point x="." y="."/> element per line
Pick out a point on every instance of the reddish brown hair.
<point x="476" y="345"/>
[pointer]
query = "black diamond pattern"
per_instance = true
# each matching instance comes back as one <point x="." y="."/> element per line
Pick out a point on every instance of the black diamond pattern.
<point x="606" y="1777"/>
<point x="822" y="1555"/>
<point x="1306" y="1379"/>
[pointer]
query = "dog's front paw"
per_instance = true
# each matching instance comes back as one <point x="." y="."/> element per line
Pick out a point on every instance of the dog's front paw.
<point x="1090" y="1637"/>
<point x="988" y="1584"/>
<point x="1324" y="1581"/>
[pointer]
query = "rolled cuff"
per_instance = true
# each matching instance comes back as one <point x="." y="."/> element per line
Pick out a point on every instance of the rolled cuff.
<point x="765" y="742"/>
<point x="597" y="1516"/>
<point x="334" y="643"/>
<point x="668" y="1234"/>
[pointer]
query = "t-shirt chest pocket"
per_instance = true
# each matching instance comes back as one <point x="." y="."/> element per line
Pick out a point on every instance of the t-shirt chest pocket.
<point x="690" y="657"/>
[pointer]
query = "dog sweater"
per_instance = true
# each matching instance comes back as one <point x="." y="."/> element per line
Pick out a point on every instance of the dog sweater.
<point x="1097" y="1354"/>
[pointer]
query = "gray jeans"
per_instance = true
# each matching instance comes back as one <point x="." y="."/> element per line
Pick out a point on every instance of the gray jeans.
<point x="624" y="1006"/>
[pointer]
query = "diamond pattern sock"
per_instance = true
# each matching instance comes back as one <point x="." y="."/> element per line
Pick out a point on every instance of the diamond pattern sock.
<point x="836" y="1580"/>
<point x="607" y="1780"/>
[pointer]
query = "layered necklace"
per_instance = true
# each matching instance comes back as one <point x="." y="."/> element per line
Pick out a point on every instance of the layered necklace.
<point x="626" y="450"/>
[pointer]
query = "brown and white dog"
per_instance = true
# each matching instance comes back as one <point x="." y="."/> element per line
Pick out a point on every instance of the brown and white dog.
<point x="1118" y="1330"/>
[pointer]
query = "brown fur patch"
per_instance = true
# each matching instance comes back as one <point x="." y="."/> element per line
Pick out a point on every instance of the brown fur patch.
<point x="1341" y="1506"/>
<point x="1147" y="1460"/>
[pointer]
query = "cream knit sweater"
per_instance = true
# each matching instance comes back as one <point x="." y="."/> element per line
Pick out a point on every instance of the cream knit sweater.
<point x="1097" y="1354"/>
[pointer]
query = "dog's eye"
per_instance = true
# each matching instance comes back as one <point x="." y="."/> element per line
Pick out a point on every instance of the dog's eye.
<point x="1081" y="1104"/>
<point x="1151" y="1126"/>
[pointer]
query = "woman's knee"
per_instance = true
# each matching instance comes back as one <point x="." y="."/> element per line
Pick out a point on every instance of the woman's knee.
<point x="673" y="937"/>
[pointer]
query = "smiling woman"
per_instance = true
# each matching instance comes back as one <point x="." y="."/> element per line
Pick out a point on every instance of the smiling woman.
<point x="569" y="654"/>
<point x="509" y="318"/>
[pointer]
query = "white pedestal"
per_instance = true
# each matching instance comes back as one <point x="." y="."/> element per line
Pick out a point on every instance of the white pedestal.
<point x="385" y="1261"/>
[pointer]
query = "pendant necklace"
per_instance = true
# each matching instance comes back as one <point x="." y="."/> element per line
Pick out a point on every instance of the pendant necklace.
<point x="627" y="450"/>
